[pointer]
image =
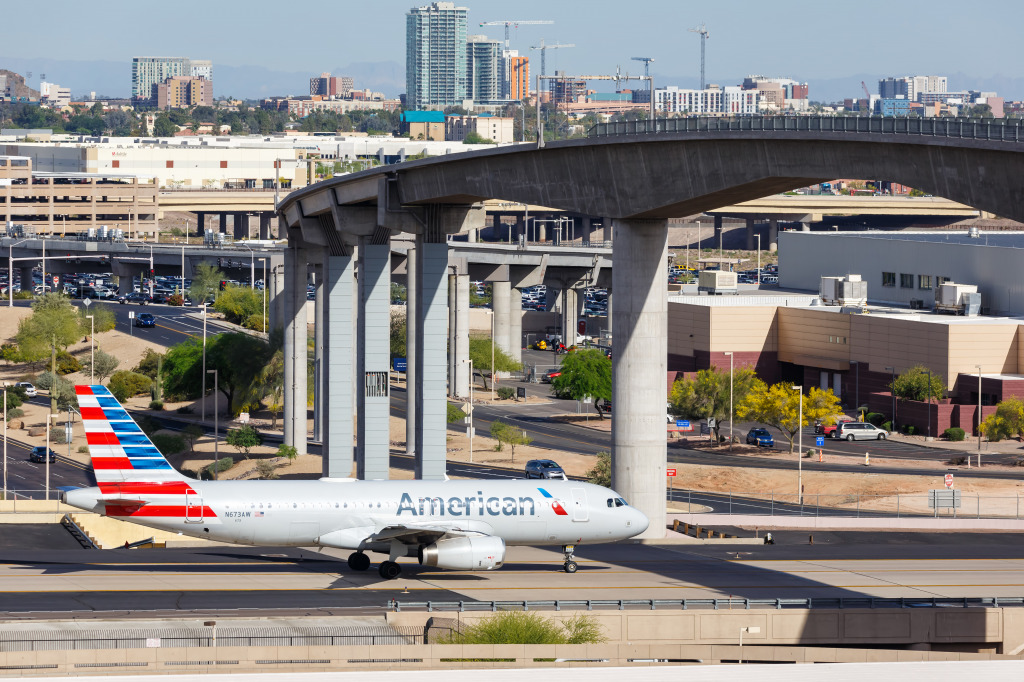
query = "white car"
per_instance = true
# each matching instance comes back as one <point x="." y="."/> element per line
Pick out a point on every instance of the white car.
<point x="859" y="431"/>
<point x="30" y="390"/>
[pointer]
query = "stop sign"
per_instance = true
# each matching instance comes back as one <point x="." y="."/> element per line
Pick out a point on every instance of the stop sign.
<point x="949" y="480"/>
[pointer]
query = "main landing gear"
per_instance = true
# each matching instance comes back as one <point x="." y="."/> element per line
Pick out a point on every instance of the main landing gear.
<point x="570" y="564"/>
<point x="389" y="570"/>
<point x="358" y="561"/>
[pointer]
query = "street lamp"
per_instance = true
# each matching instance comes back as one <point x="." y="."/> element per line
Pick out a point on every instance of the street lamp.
<point x="979" y="420"/>
<point x="929" y="403"/>
<point x="800" y="435"/>
<point x="892" y="390"/>
<point x="758" y="260"/>
<point x="729" y="353"/>
<point x="203" y="399"/>
<point x="472" y="431"/>
<point x="5" y="436"/>
<point x="216" y="434"/>
<point x="92" y="348"/>
<point x="264" y="294"/>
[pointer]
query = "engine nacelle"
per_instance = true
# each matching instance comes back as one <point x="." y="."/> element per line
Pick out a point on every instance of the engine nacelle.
<point x="484" y="553"/>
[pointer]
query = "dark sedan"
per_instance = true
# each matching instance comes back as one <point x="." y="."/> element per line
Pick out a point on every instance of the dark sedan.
<point x="38" y="454"/>
<point x="145" y="320"/>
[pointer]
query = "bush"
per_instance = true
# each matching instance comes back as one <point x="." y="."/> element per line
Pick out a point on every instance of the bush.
<point x="176" y="299"/>
<point x="125" y="384"/>
<point x="955" y="433"/>
<point x="287" y="451"/>
<point x="58" y="435"/>
<point x="887" y="426"/>
<point x="222" y="464"/>
<point x="185" y="409"/>
<point x="244" y="439"/>
<point x="156" y="405"/>
<point x="909" y="429"/>
<point x="527" y="627"/>
<point x="168" y="443"/>
<point x="455" y="414"/>
<point x="67" y="363"/>
<point x="266" y="469"/>
<point x="601" y="474"/>
<point x="255" y="322"/>
<point x="149" y="364"/>
<point x="875" y="418"/>
<point x="15" y="413"/>
<point x="23" y="295"/>
<point x="506" y="393"/>
<point x="83" y="449"/>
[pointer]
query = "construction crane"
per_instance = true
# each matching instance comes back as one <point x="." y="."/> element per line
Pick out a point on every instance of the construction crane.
<point x="867" y="93"/>
<point x="704" y="35"/>
<point x="647" y="63"/>
<point x="509" y="24"/>
<point x="543" y="47"/>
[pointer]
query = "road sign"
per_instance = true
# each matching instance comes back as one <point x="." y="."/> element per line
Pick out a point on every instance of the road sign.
<point x="87" y="302"/>
<point x="819" y="442"/>
<point x="520" y="391"/>
<point x="400" y="364"/>
<point x="670" y="472"/>
<point x="467" y="408"/>
<point x="67" y="433"/>
<point x="949" y="481"/>
<point x="131" y="313"/>
<point x="943" y="499"/>
<point x="683" y="425"/>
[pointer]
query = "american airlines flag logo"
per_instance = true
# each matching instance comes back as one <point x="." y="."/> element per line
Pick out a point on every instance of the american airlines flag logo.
<point x="555" y="504"/>
<point x="258" y="514"/>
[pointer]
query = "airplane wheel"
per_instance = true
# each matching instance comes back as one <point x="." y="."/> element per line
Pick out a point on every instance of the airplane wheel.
<point x="389" y="570"/>
<point x="570" y="566"/>
<point x="358" y="561"/>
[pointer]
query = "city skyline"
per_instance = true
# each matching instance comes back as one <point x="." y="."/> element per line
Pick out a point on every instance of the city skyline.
<point x="795" y="39"/>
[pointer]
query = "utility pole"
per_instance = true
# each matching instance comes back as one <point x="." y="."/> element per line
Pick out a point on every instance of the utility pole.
<point x="702" y="30"/>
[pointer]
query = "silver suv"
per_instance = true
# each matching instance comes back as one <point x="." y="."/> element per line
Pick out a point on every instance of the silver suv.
<point x="859" y="431"/>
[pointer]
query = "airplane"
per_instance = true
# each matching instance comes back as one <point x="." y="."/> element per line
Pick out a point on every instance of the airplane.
<point x="456" y="525"/>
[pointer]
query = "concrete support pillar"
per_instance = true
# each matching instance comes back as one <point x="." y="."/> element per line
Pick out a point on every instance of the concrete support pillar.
<point x="496" y="227"/>
<point x="639" y="364"/>
<point x="265" y="225"/>
<point x="241" y="225"/>
<point x="432" y="314"/>
<point x="200" y="224"/>
<point x="551" y="296"/>
<point x="569" y="313"/>
<point x="462" y="377"/>
<point x="750" y="234"/>
<point x="520" y="228"/>
<point x="609" y="327"/>
<point x="773" y="234"/>
<point x="515" y="326"/>
<point x="500" y="300"/>
<point x="275" y="301"/>
<point x="542" y="233"/>
<point x="453" y="325"/>
<point x="224" y="223"/>
<point x="294" y="294"/>
<point x="719" y="237"/>
<point x="412" y="293"/>
<point x="473" y="236"/>
<point x="27" y="284"/>
<point x="319" y="370"/>
<point x="336" y="432"/>
<point x="606" y="224"/>
<point x="373" y="402"/>
<point x="587" y="227"/>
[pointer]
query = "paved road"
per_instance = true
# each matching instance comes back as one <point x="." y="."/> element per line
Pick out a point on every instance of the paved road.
<point x="43" y="583"/>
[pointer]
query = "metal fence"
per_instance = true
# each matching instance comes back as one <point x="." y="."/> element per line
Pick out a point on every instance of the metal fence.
<point x="715" y="604"/>
<point x="1003" y="130"/>
<point x="967" y="505"/>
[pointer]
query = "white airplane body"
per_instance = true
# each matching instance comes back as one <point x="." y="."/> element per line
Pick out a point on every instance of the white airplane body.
<point x="459" y="525"/>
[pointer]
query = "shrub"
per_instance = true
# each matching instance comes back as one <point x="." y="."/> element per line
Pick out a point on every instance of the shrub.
<point x="255" y="322"/>
<point x="287" y="451"/>
<point x="222" y="464"/>
<point x="887" y="426"/>
<point x="506" y="393"/>
<point x="168" y="443"/>
<point x="266" y="469"/>
<point x="83" y="449"/>
<point x="59" y="436"/>
<point x="176" y="299"/>
<point x="955" y="433"/>
<point x="527" y="627"/>
<point x="156" y="405"/>
<point x="957" y="461"/>
<point x="185" y="409"/>
<point x="15" y="413"/>
<point x="244" y="439"/>
<point x="125" y="384"/>
<point x="149" y="364"/>
<point x="455" y="414"/>
<point x="67" y="363"/>
<point x="909" y="429"/>
<point x="23" y="295"/>
<point x="601" y="473"/>
<point x="875" y="418"/>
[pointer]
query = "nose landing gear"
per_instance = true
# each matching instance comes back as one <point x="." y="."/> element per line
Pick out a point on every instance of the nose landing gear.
<point x="570" y="564"/>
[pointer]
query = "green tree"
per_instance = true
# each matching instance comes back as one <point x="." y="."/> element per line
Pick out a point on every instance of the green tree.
<point x="238" y="359"/>
<point x="455" y="414"/>
<point x="506" y="434"/>
<point x="585" y="373"/>
<point x="150" y="363"/>
<point x="15" y="399"/>
<point x="913" y="384"/>
<point x="125" y="385"/>
<point x="53" y="326"/>
<point x="269" y="385"/>
<point x="206" y="279"/>
<point x="244" y="439"/>
<point x="183" y="369"/>
<point x="163" y="127"/>
<point x="103" y="319"/>
<point x="398" y="293"/>
<point x="706" y="396"/>
<point x="779" y="406"/>
<point x="399" y="330"/>
<point x="192" y="433"/>
<point x="1006" y="422"/>
<point x="239" y="303"/>
<point x="473" y="137"/>
<point x="480" y="353"/>
<point x="104" y="365"/>
<point x="287" y="451"/>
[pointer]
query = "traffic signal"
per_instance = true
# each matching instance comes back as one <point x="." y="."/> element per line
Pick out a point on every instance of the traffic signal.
<point x="581" y="327"/>
<point x="220" y="262"/>
<point x="223" y="284"/>
<point x="151" y="272"/>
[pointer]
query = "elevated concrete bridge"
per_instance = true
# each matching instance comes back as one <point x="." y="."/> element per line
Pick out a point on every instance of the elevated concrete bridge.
<point x="639" y="176"/>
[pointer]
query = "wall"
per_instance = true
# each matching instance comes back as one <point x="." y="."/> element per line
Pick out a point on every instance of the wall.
<point x="689" y="331"/>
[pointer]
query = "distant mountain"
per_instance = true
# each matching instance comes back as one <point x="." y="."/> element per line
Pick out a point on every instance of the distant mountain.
<point x="114" y="79"/>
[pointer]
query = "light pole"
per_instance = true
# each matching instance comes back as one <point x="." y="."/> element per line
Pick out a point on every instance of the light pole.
<point x="471" y="429"/>
<point x="203" y="398"/>
<point x="216" y="434"/>
<point x="979" y="419"/>
<point x="758" y="260"/>
<point x="753" y="630"/>
<point x="92" y="348"/>
<point x="929" y="432"/>
<point x="856" y="395"/>
<point x="264" y="294"/>
<point x="892" y="390"/>
<point x="729" y="353"/>
<point x="698" y="246"/>
<point x="46" y="453"/>
<point x="800" y="435"/>
<point x="492" y="342"/>
<point x="5" y="434"/>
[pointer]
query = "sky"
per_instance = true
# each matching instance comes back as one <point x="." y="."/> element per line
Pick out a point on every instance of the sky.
<point x="799" y="39"/>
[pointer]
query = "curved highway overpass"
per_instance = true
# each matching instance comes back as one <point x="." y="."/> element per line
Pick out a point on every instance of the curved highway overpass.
<point x="639" y="175"/>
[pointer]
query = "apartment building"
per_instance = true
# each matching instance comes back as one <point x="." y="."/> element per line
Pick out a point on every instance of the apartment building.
<point x="436" y="49"/>
<point x="148" y="72"/>
<point x="183" y="91"/>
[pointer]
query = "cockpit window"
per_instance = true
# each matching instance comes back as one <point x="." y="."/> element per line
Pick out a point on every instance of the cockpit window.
<point x="616" y="502"/>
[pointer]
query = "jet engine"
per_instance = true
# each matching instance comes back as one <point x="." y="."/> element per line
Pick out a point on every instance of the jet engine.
<point x="478" y="553"/>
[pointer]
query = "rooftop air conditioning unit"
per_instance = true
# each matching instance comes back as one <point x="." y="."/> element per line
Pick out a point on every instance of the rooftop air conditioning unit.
<point x="716" y="282"/>
<point x="958" y="299"/>
<point x="844" y="291"/>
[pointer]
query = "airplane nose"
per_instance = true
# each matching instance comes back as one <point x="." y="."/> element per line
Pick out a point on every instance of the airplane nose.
<point x="640" y="521"/>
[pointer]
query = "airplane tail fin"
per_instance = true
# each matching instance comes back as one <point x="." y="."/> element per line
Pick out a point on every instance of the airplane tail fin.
<point x="119" y="449"/>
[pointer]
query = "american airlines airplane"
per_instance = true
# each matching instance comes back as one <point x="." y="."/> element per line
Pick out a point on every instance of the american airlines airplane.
<point x="458" y="525"/>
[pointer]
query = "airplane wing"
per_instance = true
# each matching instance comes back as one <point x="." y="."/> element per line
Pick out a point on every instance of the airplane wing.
<point x="409" y="534"/>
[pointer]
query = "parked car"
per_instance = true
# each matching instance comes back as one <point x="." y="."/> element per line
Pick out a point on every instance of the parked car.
<point x="145" y="320"/>
<point x="38" y="454"/>
<point x="551" y="374"/>
<point x="134" y="297"/>
<point x="829" y="430"/>
<point x="760" y="437"/>
<point x="859" y="431"/>
<point x="544" y="468"/>
<point x="29" y="389"/>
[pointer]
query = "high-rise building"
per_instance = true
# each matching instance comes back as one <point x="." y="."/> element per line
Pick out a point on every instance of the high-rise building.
<point x="150" y="71"/>
<point x="567" y="90"/>
<point x="183" y="91"/>
<point x="435" y="56"/>
<point x="516" y="76"/>
<point x="912" y="88"/>
<point x="331" y="86"/>
<point x="483" y="69"/>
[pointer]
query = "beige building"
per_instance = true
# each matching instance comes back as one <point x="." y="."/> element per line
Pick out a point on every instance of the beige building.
<point x="178" y="92"/>
<point x="495" y="128"/>
<point x="791" y="338"/>
<point x="55" y="203"/>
